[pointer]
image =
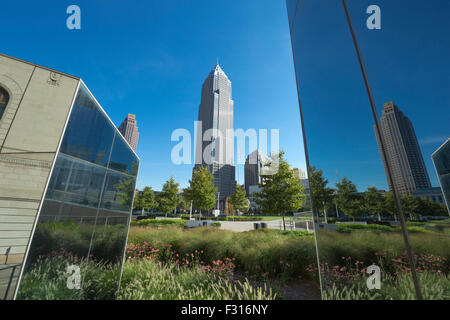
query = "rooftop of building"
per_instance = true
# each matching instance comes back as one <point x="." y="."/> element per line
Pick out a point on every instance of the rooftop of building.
<point x="217" y="70"/>
<point x="40" y="66"/>
<point x="78" y="79"/>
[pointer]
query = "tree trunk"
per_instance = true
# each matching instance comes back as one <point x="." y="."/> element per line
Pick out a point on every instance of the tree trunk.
<point x="325" y="215"/>
<point x="284" y="223"/>
<point x="379" y="216"/>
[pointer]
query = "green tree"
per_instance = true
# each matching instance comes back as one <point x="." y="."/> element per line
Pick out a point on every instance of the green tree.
<point x="137" y="204"/>
<point x="201" y="190"/>
<point x="147" y="199"/>
<point x="321" y="195"/>
<point x="125" y="191"/>
<point x="238" y="199"/>
<point x="168" y="197"/>
<point x="373" y="202"/>
<point x="409" y="205"/>
<point x="389" y="205"/>
<point x="183" y="204"/>
<point x="426" y="207"/>
<point x="349" y="199"/>
<point x="281" y="192"/>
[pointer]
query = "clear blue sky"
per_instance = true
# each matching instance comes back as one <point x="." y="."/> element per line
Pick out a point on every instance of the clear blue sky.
<point x="150" y="58"/>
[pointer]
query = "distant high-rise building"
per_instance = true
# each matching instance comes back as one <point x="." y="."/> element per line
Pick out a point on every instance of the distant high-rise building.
<point x="402" y="151"/>
<point x="299" y="173"/>
<point x="129" y="130"/>
<point x="215" y="118"/>
<point x="441" y="161"/>
<point x="252" y="169"/>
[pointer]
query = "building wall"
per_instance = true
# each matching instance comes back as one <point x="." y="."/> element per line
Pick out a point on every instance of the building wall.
<point x="30" y="131"/>
<point x="129" y="130"/>
<point x="433" y="194"/>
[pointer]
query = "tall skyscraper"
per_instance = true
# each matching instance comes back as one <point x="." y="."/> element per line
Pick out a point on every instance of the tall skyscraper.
<point x="402" y="150"/>
<point x="252" y="169"/>
<point x="214" y="145"/>
<point x="129" y="130"/>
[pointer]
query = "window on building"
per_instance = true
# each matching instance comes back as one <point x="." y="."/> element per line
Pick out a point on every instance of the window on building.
<point x="4" y="98"/>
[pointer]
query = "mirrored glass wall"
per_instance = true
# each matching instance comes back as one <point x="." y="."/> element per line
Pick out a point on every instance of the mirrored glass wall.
<point x="78" y="244"/>
<point x="369" y="142"/>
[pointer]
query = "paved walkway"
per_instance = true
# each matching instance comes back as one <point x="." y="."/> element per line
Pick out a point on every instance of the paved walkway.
<point x="240" y="226"/>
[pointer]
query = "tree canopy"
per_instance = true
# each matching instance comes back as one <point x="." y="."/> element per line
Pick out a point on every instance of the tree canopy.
<point x="281" y="192"/>
<point x="168" y="199"/>
<point x="238" y="199"/>
<point x="201" y="190"/>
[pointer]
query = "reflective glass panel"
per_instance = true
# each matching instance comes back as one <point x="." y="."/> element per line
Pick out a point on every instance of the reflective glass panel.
<point x="79" y="241"/>
<point x="364" y="177"/>
<point x="121" y="159"/>
<point x="89" y="133"/>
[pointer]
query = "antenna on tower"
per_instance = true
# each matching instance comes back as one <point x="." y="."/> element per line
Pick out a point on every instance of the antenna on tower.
<point x="217" y="60"/>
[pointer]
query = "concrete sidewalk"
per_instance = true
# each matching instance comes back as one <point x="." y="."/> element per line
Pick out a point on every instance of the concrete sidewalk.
<point x="240" y="226"/>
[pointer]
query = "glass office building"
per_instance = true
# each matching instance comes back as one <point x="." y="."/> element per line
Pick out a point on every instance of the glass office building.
<point x="347" y="137"/>
<point x="66" y="191"/>
<point x="441" y="160"/>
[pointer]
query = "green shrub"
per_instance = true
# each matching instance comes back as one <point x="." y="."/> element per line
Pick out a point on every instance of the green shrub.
<point x="107" y="241"/>
<point x="47" y="280"/>
<point x="150" y="280"/>
<point x="433" y="287"/>
<point x="158" y="222"/>
<point x="364" y="246"/>
<point x="349" y="227"/>
<point x="257" y="252"/>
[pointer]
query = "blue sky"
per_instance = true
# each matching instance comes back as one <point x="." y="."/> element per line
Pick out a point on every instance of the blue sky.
<point x="407" y="61"/>
<point x="150" y="58"/>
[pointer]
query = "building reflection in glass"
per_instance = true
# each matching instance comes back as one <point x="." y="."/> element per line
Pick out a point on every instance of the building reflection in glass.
<point x="85" y="216"/>
<point x="357" y="221"/>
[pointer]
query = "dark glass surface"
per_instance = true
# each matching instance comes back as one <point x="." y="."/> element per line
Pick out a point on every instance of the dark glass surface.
<point x="76" y="181"/>
<point x="441" y="159"/>
<point x="89" y="133"/>
<point x="118" y="192"/>
<point x="121" y="159"/>
<point x="357" y="224"/>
